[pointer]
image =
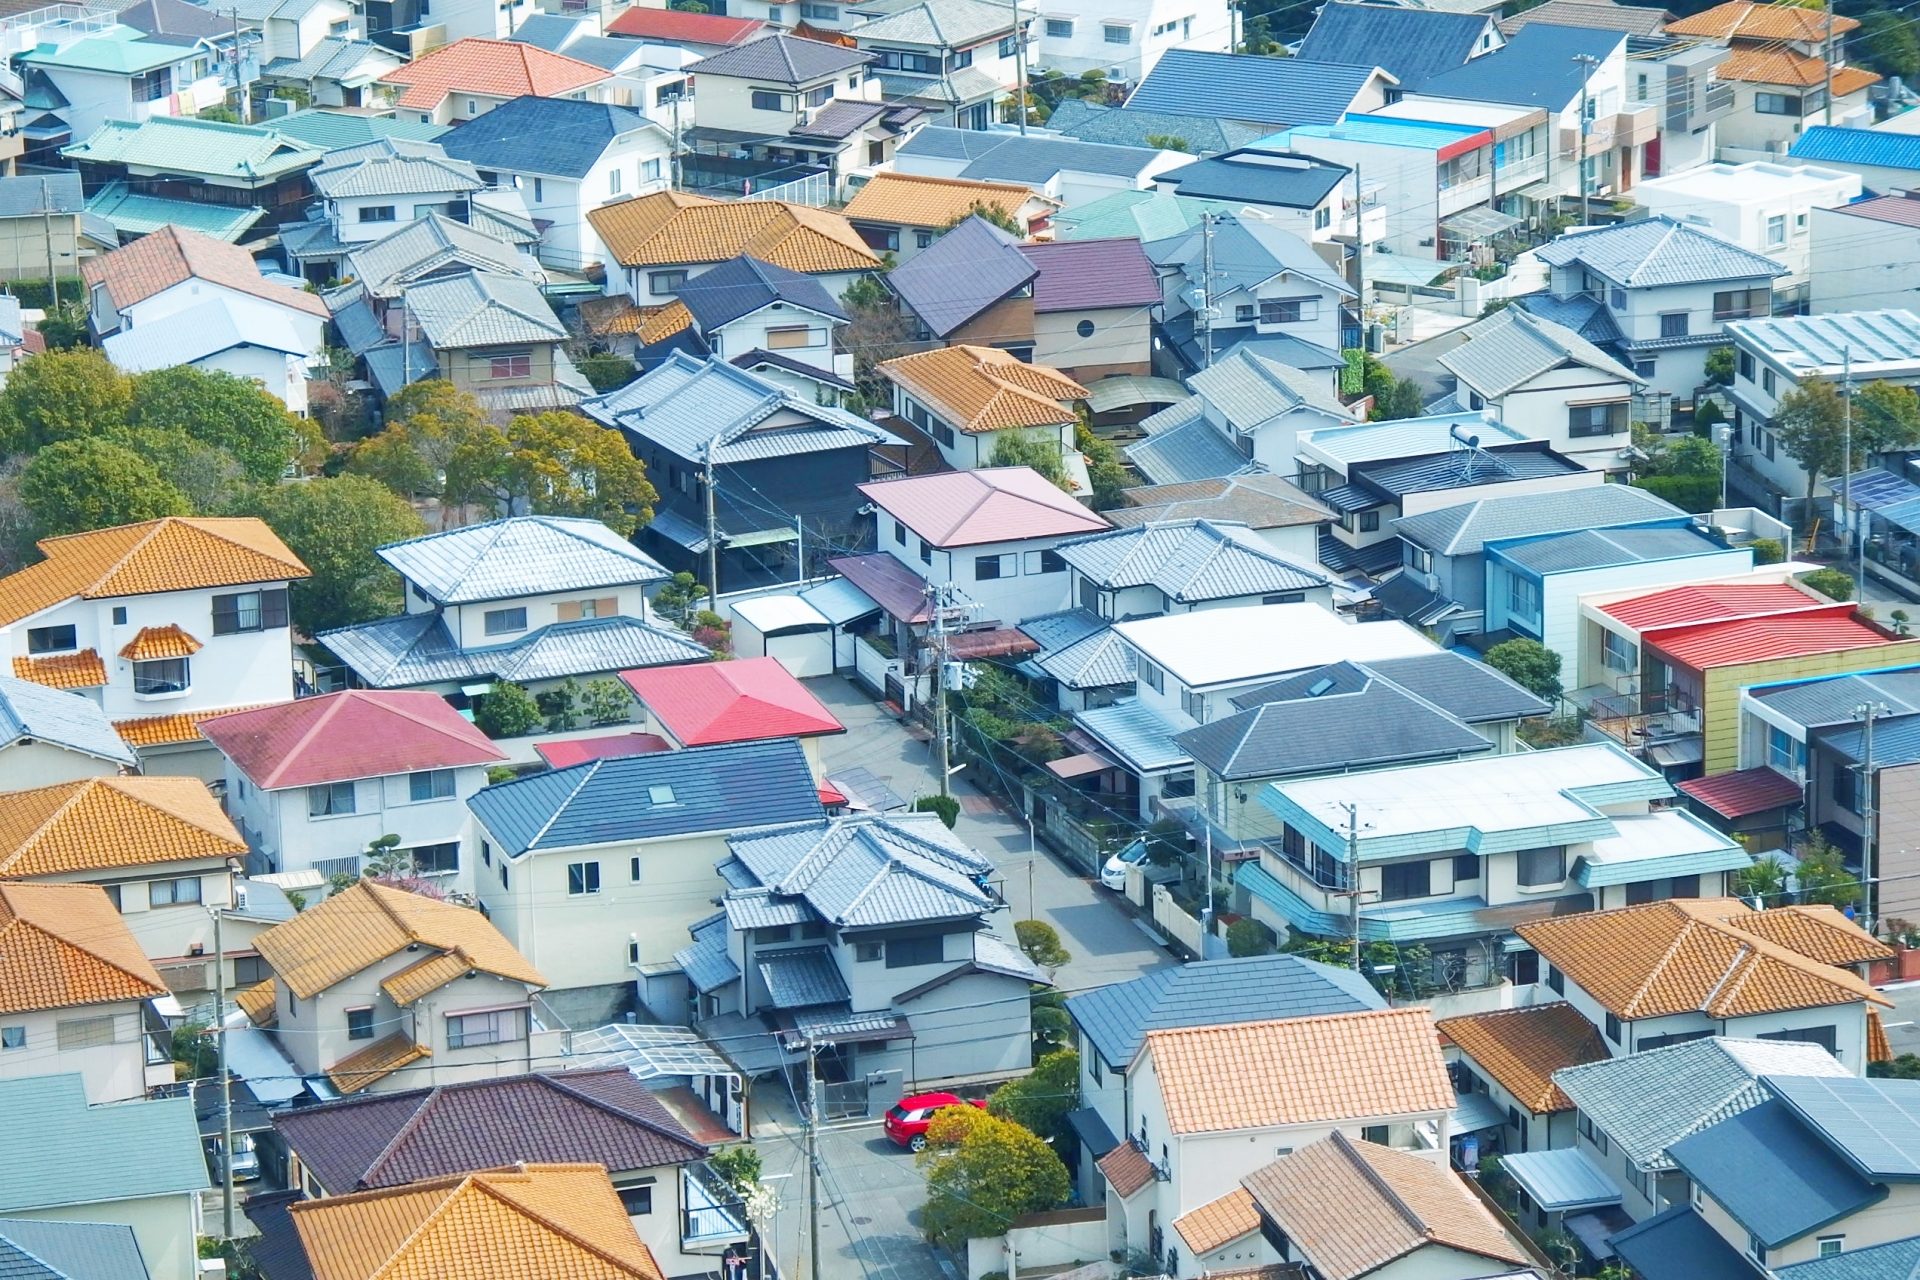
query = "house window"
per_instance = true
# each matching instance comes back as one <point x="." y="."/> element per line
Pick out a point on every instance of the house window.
<point x="329" y="799"/>
<point x="987" y="568"/>
<point x="503" y="873"/>
<point x="1374" y="1133"/>
<point x="1370" y="521"/>
<point x="1777" y="229"/>
<point x="580" y="610"/>
<point x="13" y="1037"/>
<point x="1746" y="365"/>
<point x="899" y="533"/>
<point x="769" y="100"/>
<point x="1285" y="597"/>
<point x="1846" y="788"/>
<point x="868" y="951"/>
<point x="119" y="615"/>
<point x="1776" y="104"/>
<point x="52" y="639"/>
<point x="822" y="13"/>
<point x="1194" y="704"/>
<point x="1059" y="28"/>
<point x="249" y="611"/>
<point x="1406" y="880"/>
<point x="510" y="364"/>
<point x="152" y="85"/>
<point x="1084" y="328"/>
<point x="1644" y="369"/>
<point x="162" y="675"/>
<point x="376" y="213"/>
<point x="926" y="552"/>
<point x="1557" y="981"/>
<point x="495" y="1026"/>
<point x="904" y="953"/>
<point x="820" y="96"/>
<point x="1592" y="1133"/>
<point x="876" y="153"/>
<point x="1830" y="1246"/>
<point x="1116" y="34"/>
<point x="1673" y="324"/>
<point x="664" y="282"/>
<point x="1466" y="866"/>
<point x="962" y="60"/>
<point x="922" y="239"/>
<point x="660" y="794"/>
<point x="1766" y="385"/>
<point x="83" y="1033"/>
<point x="582" y="878"/>
<point x="1009" y="45"/>
<point x="431" y="784"/>
<point x="436" y="859"/>
<point x="638" y="1201"/>
<point x="1151" y="676"/>
<point x="360" y="1024"/>
<point x="499" y="622"/>
<point x="1538" y="867"/>
<point x="613" y="182"/>
<point x="486" y="853"/>
<point x="1618" y="299"/>
<point x="1045" y="562"/>
<point x="1825" y="1037"/>
<point x="1785" y="753"/>
<point x="1598" y="419"/>
<point x="250" y="970"/>
<point x="1244" y="312"/>
<point x="1617" y="652"/>
<point x="1756" y="1248"/>
<point x="795" y="336"/>
<point x="1288" y="310"/>
<point x="1613" y="1028"/>
<point x="650" y="170"/>
<point x="183" y="892"/>
<point x="1322" y="218"/>
<point x="1523" y="596"/>
<point x="1740" y="304"/>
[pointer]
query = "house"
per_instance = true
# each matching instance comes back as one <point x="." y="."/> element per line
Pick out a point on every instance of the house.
<point x="472" y="76"/>
<point x="1285" y="516"/>
<point x="660" y="241"/>
<point x="359" y="992"/>
<point x="119" y="73"/>
<point x="1297" y="192"/>
<point x="1844" y="279"/>
<point x="39" y="220"/>
<point x="1111" y="1024"/>
<point x="52" y="1172"/>
<point x="554" y="845"/>
<point x="120" y="614"/>
<point x="365" y="190"/>
<point x="603" y="1117"/>
<point x="972" y="286"/>
<point x="746" y="306"/>
<point x="172" y="270"/>
<point x="564" y="157"/>
<point x="255" y="341"/>
<point x="497" y="338"/>
<point x="963" y="397"/>
<point x="902" y="214"/>
<point x="1505" y="174"/>
<point x="701" y="33"/>
<point x="48" y="736"/>
<point x="191" y="164"/>
<point x="816" y="909"/>
<point x="1194" y="1132"/>
<point x="1509" y="1056"/>
<point x="1248" y="410"/>
<point x="1145" y="216"/>
<point x="1182" y="566"/>
<point x="1063" y="169"/>
<point x="650" y="77"/>
<point x="955" y="58"/>
<point x="317" y="782"/>
<point x="1549" y="382"/>
<point x="339" y="71"/>
<point x="335" y="129"/>
<point x="64" y="1249"/>
<point x="1080" y="42"/>
<point x="1885" y="159"/>
<point x="1778" y="70"/>
<point x="742" y="701"/>
<point x="1408" y="44"/>
<point x="762" y="444"/>
<point x="292" y="28"/>
<point x="1097" y="122"/>
<point x="557" y="1217"/>
<point x="1271" y="91"/>
<point x="532" y="599"/>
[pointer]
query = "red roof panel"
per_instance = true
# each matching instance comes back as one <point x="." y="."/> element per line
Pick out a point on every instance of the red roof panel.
<point x="677" y="24"/>
<point x="1735" y="795"/>
<point x="1683" y="606"/>
<point x="362" y="733"/>
<point x="968" y="508"/>
<point x="572" y="751"/>
<point x="1724" y="644"/>
<point x="739" y="701"/>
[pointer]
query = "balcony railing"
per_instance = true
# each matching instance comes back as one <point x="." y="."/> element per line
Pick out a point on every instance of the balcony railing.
<point x="712" y="1214"/>
<point x="1520" y="172"/>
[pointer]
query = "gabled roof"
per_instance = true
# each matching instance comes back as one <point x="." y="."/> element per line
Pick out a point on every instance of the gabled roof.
<point x="671" y="227"/>
<point x="26" y="196"/>
<point x="172" y="144"/>
<point x="63" y="945"/>
<point x="981" y="389"/>
<point x="1031" y="158"/>
<point x="1352" y="1208"/>
<point x="1463" y="530"/>
<point x="553" y="1219"/>
<point x="1522" y="1048"/>
<point x="1513" y="346"/>
<point x="1750" y="791"/>
<point x="1743" y="19"/>
<point x="604" y="1117"/>
<point x="668" y="26"/>
<point x="1257" y="500"/>
<point x="1633" y="20"/>
<point x="1871" y="1124"/>
<point x="360" y="733"/>
<point x="1692" y="955"/>
<point x="994" y="504"/>
<point x="480" y="309"/>
<point x="1250" y="391"/>
<point x="493" y="68"/>
<point x="869" y="870"/>
<point x="1773" y="1176"/>
<point x="731" y="702"/>
<point x="1678" y="1244"/>
<point x="1188" y="561"/>
<point x="1183" y="447"/>
<point x="1409" y="44"/>
<point x="174" y="18"/>
<point x="31" y="712"/>
<point x="781" y="59"/>
<point x="94" y="823"/>
<point x="520" y="556"/>
<point x="392" y="166"/>
<point x="1708" y="602"/>
<point x="1294" y="1071"/>
<point x="171" y="256"/>
<point x="914" y="200"/>
<point x="1877" y="341"/>
<point x="942" y="24"/>
<point x="219" y="324"/>
<point x="1218" y="1222"/>
<point x="560" y="136"/>
<point x="1658" y="251"/>
<point x="1875" y="147"/>
<point x="1078" y="275"/>
<point x="417" y="649"/>
<point x="1895" y="1260"/>
<point x="1242" y="86"/>
<point x="1246" y="254"/>
<point x="332" y="130"/>
<point x="1455" y="683"/>
<point x="1260" y="174"/>
<point x="430" y="244"/>
<point x="961" y="274"/>
<point x="1131" y="127"/>
<point x="1535" y="68"/>
<point x="61" y="1152"/>
<point x="1784" y="66"/>
<point x="366" y="922"/>
<point x="702" y="789"/>
<point x="54" y="1250"/>
<point x="744" y="285"/>
<point x="1766" y="639"/>
<point x="355" y="62"/>
<point x="175" y="553"/>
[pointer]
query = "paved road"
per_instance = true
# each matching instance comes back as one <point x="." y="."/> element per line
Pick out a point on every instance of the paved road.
<point x="1421" y="362"/>
<point x="1903" y="1020"/>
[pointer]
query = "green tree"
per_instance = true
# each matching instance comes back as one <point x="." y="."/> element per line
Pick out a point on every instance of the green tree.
<point x="562" y="464"/>
<point x="607" y="370"/>
<point x="560" y="705"/>
<point x="1904" y="1067"/>
<point x="991" y="213"/>
<point x="946" y="806"/>
<point x="1692" y="456"/>
<point x="65" y="326"/>
<point x="1404" y="399"/>
<point x="1248" y="937"/>
<point x="72" y="486"/>
<point x="738" y="1166"/>
<point x="1888" y="43"/>
<point x="1811" y="425"/>
<point x="982" y="1173"/>
<point x="1767" y="551"/>
<point x="1041" y="942"/>
<point x="1028" y="449"/>
<point x="334" y="525"/>
<point x="224" y="412"/>
<point x="1835" y="584"/>
<point x="1052" y="1025"/>
<point x="1040" y="1100"/>
<point x="1168" y="142"/>
<point x="507" y="711"/>
<point x="876" y="331"/>
<point x="1822" y="875"/>
<point x="1720" y="365"/>
<point x="606" y="702"/>
<point x="1529" y="664"/>
<point x="63" y="395"/>
<point x="1105" y="467"/>
<point x="1766" y="879"/>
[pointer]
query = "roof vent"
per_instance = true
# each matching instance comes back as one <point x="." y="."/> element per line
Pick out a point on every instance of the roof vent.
<point x="1319" y="686"/>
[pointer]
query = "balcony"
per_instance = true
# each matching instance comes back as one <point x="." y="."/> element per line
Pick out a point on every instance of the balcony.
<point x="1465" y="193"/>
<point x="1638" y="125"/>
<point x="1668" y="720"/>
<point x="1509" y="177"/>
<point x="1694" y="104"/>
<point x="712" y="1214"/>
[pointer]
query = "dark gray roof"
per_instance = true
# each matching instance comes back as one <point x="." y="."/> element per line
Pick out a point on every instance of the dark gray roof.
<point x="1586" y="316"/>
<point x="35" y="1250"/>
<point x="277" y="1250"/>
<point x="549" y="31"/>
<point x="1035" y="160"/>
<point x="1679" y="1245"/>
<point x="1895" y="1260"/>
<point x="1832" y="700"/>
<point x="1536" y="68"/>
<point x="781" y="59"/>
<point x="1777" y="1180"/>
<point x="1599" y="548"/>
<point x="797" y="979"/>
<point x="161" y="18"/>
<point x="1101" y="660"/>
<point x="1874" y="1125"/>
<point x="839" y="118"/>
<point x="755" y="360"/>
<point x="707" y="963"/>
<point x="961" y="274"/>
<point x="1131" y="127"/>
<point x="1258" y="500"/>
<point x="1215" y="993"/>
<point x="1462" y="530"/>
<point x="1896" y="741"/>
<point x="1248" y="252"/>
<point x="1242" y="86"/>
<point x="1397" y="477"/>
<point x="743" y="285"/>
<point x="1462" y="687"/>
<point x="417" y="649"/>
<point x="41" y="193"/>
<point x="1411" y="45"/>
<point x="724" y="788"/>
<point x="869" y="870"/>
<point x="1259" y="175"/>
<point x="560" y="136"/>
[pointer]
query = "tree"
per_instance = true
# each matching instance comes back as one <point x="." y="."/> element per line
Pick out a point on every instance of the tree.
<point x="507" y="711"/>
<point x="560" y="705"/>
<point x="1766" y="880"/>
<point x="1693" y="456"/>
<point x="1248" y="937"/>
<point x="1811" y="425"/>
<point x="65" y="326"/>
<point x="334" y="525"/>
<point x="1889" y="45"/>
<point x="674" y="601"/>
<point x="606" y="702"/>
<point x="224" y="412"/>
<point x="1720" y="366"/>
<point x="607" y="370"/>
<point x="1168" y="142"/>
<point x="876" y="330"/>
<point x="562" y="464"/>
<point x="1105" y="468"/>
<point x="1052" y="1025"/>
<point x="1025" y="449"/>
<point x="1822" y="875"/>
<point x="72" y="486"/>
<point x="739" y="1167"/>
<point x="63" y="395"/>
<point x="946" y="806"/>
<point x="1041" y="942"/>
<point x="992" y="213"/>
<point x="1039" y="1101"/>
<point x="1529" y="664"/>
<point x="1835" y="584"/>
<point x="1904" y="1067"/>
<point x="983" y="1173"/>
<point x="1404" y="399"/>
<point x="1767" y="551"/>
<point x="440" y="442"/>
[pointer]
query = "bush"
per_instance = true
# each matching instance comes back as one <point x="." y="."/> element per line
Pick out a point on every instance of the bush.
<point x="1039" y="1101"/>
<point x="983" y="1173"/>
<point x="1041" y="942"/>
<point x="606" y="702"/>
<point x="1720" y="366"/>
<point x="1529" y="664"/>
<point x="1767" y="551"/>
<point x="1248" y="938"/>
<point x="1689" y="493"/>
<point x="507" y="711"/>
<point x="1835" y="584"/>
<point x="946" y="806"/>
<point x="560" y="706"/>
<point x="607" y="371"/>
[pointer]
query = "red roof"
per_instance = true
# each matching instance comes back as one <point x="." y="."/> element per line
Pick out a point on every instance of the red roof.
<point x="1724" y="644"/>
<point x="1682" y="606"/>
<point x="968" y="508"/>
<point x="675" y="24"/>
<point x="572" y="751"/>
<point x="888" y="583"/>
<point x="731" y="702"/>
<point x="1735" y="795"/>
<point x="491" y="68"/>
<point x="362" y="733"/>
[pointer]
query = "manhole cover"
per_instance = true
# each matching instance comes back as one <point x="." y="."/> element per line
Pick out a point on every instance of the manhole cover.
<point x="861" y="1222"/>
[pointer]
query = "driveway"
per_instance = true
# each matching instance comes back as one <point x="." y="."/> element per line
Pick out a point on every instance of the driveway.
<point x="1421" y="362"/>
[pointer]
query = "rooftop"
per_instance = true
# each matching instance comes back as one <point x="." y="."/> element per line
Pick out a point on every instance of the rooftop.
<point x="1091" y="274"/>
<point x="520" y="556"/>
<point x="736" y="701"/>
<point x="1600" y="549"/>
<point x="1513" y="346"/>
<point x="410" y="649"/>
<point x="1897" y="1260"/>
<point x="1708" y="602"/>
<point x="560" y="136"/>
<point x="1249" y="391"/>
<point x="1465" y="529"/>
<point x="1817" y="346"/>
<point x="1750" y="791"/>
<point x="744" y="285"/>
<point x="492" y="68"/>
<point x="333" y="130"/>
<point x="1259" y="174"/>
<point x="1188" y="561"/>
<point x="863" y="871"/>
<point x="238" y="153"/>
<point x="1522" y="1048"/>
<point x="1131" y="127"/>
<point x="1658" y="251"/>
<point x="1773" y="1177"/>
<point x="1225" y="646"/>
<point x="1633" y="20"/>
<point x="55" y="1250"/>
<point x="95" y="823"/>
<point x="1032" y="158"/>
<point x="1145" y="215"/>
<point x="65" y="945"/>
<point x="1873" y="1125"/>
<point x="1677" y="1244"/>
<point x="480" y="309"/>
<point x="1769" y="639"/>
<point x="171" y="256"/>
<point x="917" y="201"/>
<point x="1876" y="147"/>
<point x="670" y="227"/>
<point x="31" y="712"/>
<point x="1239" y="86"/>
<point x="1746" y="20"/>
<point x="360" y="733"/>
<point x="781" y="59"/>
<point x="194" y="333"/>
<point x="1259" y="501"/>
<point x="1409" y="44"/>
<point x="1246" y="253"/>
<point x="1443" y="139"/>
<point x="962" y="273"/>
<point x="1407" y="437"/>
<point x="396" y="166"/>
<point x="667" y="26"/>
<point x="980" y="389"/>
<point x="64" y="1152"/>
<point x="1536" y="67"/>
<point x="433" y="244"/>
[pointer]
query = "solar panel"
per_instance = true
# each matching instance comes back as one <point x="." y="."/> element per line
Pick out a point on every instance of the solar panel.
<point x="1874" y="1123"/>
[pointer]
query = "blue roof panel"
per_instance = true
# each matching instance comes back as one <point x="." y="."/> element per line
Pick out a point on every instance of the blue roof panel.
<point x="560" y="136"/>
<point x="1245" y="86"/>
<point x="1411" y="45"/>
<point x="1858" y="146"/>
<point x="1679" y="1245"/>
<point x="1536" y="68"/>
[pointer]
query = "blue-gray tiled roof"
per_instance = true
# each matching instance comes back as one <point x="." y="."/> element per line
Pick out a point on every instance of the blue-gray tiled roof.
<point x="1189" y="561"/>
<point x="1257" y="174"/>
<point x="743" y="285"/>
<point x="29" y="710"/>
<point x="1183" y="446"/>
<point x="1411" y="45"/>
<point x="1895" y="1260"/>
<point x="60" y="1151"/>
<point x="34" y="1250"/>
<point x="1873" y="1124"/>
<point x="1460" y="686"/>
<point x="520" y="556"/>
<point x="870" y="870"/>
<point x="1101" y="660"/>
<point x="1536" y="68"/>
<point x="961" y="274"/>
<point x="1244" y="86"/>
<point x="1463" y="530"/>
<point x="1776" y="1179"/>
<point x="412" y="649"/>
<point x="1130" y="127"/>
<point x="559" y="136"/>
<point x="1679" y="1245"/>
<point x="1658" y="251"/>
<point x="706" y="963"/>
<point x="796" y="979"/>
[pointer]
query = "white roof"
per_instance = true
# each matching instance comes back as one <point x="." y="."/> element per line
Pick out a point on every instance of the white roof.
<point x="1667" y="834"/>
<point x="1484" y="115"/>
<point x="1738" y="183"/>
<point x="776" y="613"/>
<point x="650" y="1052"/>
<point x="218" y="325"/>
<point x="1403" y="437"/>
<point x="1230" y="646"/>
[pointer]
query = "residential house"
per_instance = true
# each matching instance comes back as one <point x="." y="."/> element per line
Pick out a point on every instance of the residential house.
<point x="1549" y="382"/>
<point x="472" y="76"/>
<point x="1774" y="357"/>
<point x="1193" y="1132"/>
<point x="1183" y="566"/>
<point x="1083" y="659"/>
<point x="258" y="342"/>
<point x="173" y="270"/>
<point x="48" y="736"/>
<point x="554" y="846"/>
<point x="78" y="994"/>
<point x="1885" y="159"/>
<point x="603" y="1117"/>
<point x="292" y="28"/>
<point x="747" y="308"/>
<point x="954" y="58"/>
<point x="1132" y="37"/>
<point x="661" y="241"/>
<point x="701" y="33"/>
<point x="53" y="1170"/>
<point x="1778" y="70"/>
<point x="1408" y="44"/>
<point x="497" y="338"/>
<point x="963" y="397"/>
<point x="1639" y="20"/>
<point x="335" y="129"/>
<point x="1297" y="193"/>
<point x="121" y="614"/>
<point x="1122" y="127"/>
<point x="816" y="909"/>
<point x="1063" y="169"/>
<point x="1286" y="517"/>
<point x="40" y="223"/>
<point x="564" y="157"/>
<point x="359" y="992"/>
<point x="557" y="1217"/>
<point x="1272" y="91"/>
<point x="972" y="286"/>
<point x="1519" y="157"/>
<point x="742" y="701"/>
<point x="60" y="1249"/>
<point x="532" y="599"/>
<point x="1758" y="804"/>
<point x="652" y="78"/>
<point x="901" y="214"/>
<point x="1509" y="1056"/>
<point x="204" y="175"/>
<point x="1842" y="277"/>
<point x="788" y="102"/>
<point x="1761" y="206"/>
<point x="1246" y="411"/>
<point x="119" y="73"/>
<point x="317" y="782"/>
<point x="339" y="71"/>
<point x="365" y="190"/>
<point x="780" y="461"/>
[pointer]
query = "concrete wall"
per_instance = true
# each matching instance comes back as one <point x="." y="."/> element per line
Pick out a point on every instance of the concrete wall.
<point x="1862" y="264"/>
<point x="23" y="246"/>
<point x="29" y="763"/>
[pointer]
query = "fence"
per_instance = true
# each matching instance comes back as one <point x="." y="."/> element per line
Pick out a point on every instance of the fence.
<point x="738" y="178"/>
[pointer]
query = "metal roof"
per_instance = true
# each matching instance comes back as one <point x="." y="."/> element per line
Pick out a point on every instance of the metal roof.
<point x="331" y="130"/>
<point x="236" y="152"/>
<point x="1255" y="499"/>
<point x="35" y="712"/>
<point x="1872" y="1124"/>
<point x="1132" y="126"/>
<point x="1708" y="602"/>
<point x="1895" y="1260"/>
<point x="1399" y="477"/>
<point x="839" y="601"/>
<point x="1559" y="1180"/>
<point x="336" y="58"/>
<point x="1818" y="345"/>
<point x="1183" y="447"/>
<point x="1407" y="437"/>
<point x="1774" y="1178"/>
<point x="1242" y="86"/>
<point x="1259" y="174"/>
<point x="392" y="166"/>
<point x="868" y="870"/>
<point x="559" y="136"/>
<point x="1535" y="68"/>
<point x="1091" y="274"/>
<point x="1513" y="346"/>
<point x="1387" y="131"/>
<point x="520" y="556"/>
<point x="1250" y="391"/>
<point x="1246" y="253"/>
<point x="1657" y="251"/>
<point x="414" y="649"/>
<point x="1465" y="529"/>
<point x="53" y="1250"/>
<point x="1679" y="1245"/>
<point x="1036" y="160"/>
<point x="195" y="333"/>
<point x="1188" y="561"/>
<point x="435" y="244"/>
<point x="649" y="1051"/>
<point x="38" y="194"/>
<point x="1657" y="846"/>
<point x="1718" y="644"/>
<point x="62" y="1152"/>
<point x="1598" y="549"/>
<point x="1750" y="791"/>
<point x="1228" y="646"/>
<point x="961" y="274"/>
<point x="1131" y="730"/>
<point x="741" y="286"/>
<point x="990" y="504"/>
<point x="1410" y="44"/>
<point x="1145" y="215"/>
<point x="1880" y="148"/>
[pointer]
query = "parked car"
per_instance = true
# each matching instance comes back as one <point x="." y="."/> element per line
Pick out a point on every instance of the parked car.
<point x="907" y="1120"/>
<point x="1114" y="874"/>
<point x="246" y="1160"/>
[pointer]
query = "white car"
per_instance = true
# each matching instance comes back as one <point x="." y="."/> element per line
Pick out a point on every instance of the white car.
<point x="1114" y="874"/>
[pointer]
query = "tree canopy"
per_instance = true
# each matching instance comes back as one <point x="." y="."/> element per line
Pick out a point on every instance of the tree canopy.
<point x="334" y="525"/>
<point x="72" y="486"/>
<point x="1028" y="449"/>
<point x="1811" y="425"/>
<point x="63" y="395"/>
<point x="982" y="1173"/>
<point x="1040" y="1100"/>
<point x="223" y="412"/>
<point x="1529" y="664"/>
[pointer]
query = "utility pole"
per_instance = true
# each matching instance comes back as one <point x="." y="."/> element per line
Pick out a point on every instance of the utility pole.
<point x="1205" y="325"/>
<point x="800" y="547"/>
<point x="941" y="596"/>
<point x="226" y="1079"/>
<point x="1587" y="63"/>
<point x="677" y="176"/>
<point x="713" y="539"/>
<point x="1020" y="68"/>
<point x="1206" y="909"/>
<point x="813" y="1158"/>
<point x="1353" y="887"/>
<point x="1846" y="465"/>
<point x="1828" y="54"/>
<point x="1867" y="713"/>
<point x="53" y="276"/>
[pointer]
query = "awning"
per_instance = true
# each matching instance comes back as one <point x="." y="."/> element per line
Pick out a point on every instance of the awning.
<point x="761" y="537"/>
<point x="1478" y="223"/>
<point x="677" y="529"/>
<point x="475" y="690"/>
<point x="889" y="584"/>
<point x="1080" y="766"/>
<point x="1092" y="1131"/>
<point x="1592" y="1229"/>
<point x="1477" y="1112"/>
<point x="1739" y="795"/>
<point x="839" y="601"/>
<point x="1564" y="1179"/>
<point x="1396" y="268"/>
<point x="1688" y="750"/>
<point x="779" y="615"/>
<point x="1127" y="390"/>
<point x="1541" y="189"/>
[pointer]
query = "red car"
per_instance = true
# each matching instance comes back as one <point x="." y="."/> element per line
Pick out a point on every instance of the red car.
<point x="907" y="1120"/>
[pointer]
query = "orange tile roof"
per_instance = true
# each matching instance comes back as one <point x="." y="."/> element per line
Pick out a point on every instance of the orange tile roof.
<point x="1259" y="1075"/>
<point x="985" y="389"/>
<point x="260" y="1002"/>
<point x="160" y="642"/>
<point x="661" y="323"/>
<point x="1772" y="66"/>
<point x="96" y="823"/>
<point x="367" y="922"/>
<point x="915" y="201"/>
<point x="555" y="1221"/>
<point x="1691" y="955"/>
<point x="676" y="227"/>
<point x="177" y="553"/>
<point x="1744" y="20"/>
<point x="65" y="944"/>
<point x="82" y="670"/>
<point x="1522" y="1048"/>
<point x="376" y="1062"/>
<point x="1353" y="1207"/>
<point x="1848" y="80"/>
<point x="1126" y="1168"/>
<point x="490" y="68"/>
<point x="426" y="976"/>
<point x="171" y="256"/>
<point x="1218" y="1222"/>
<point x="1818" y="931"/>
<point x="182" y="726"/>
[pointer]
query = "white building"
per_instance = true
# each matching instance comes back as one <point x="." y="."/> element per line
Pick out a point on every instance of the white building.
<point x="256" y="342"/>
<point x="120" y="74"/>
<point x="162" y="274"/>
<point x="966" y="399"/>
<point x="1848" y="272"/>
<point x="1126" y="40"/>
<point x="1759" y="206"/>
<point x="291" y="28"/>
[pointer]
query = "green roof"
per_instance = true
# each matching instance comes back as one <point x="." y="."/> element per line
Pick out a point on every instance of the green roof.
<point x="60" y="1151"/>
<point x="121" y="49"/>
<point x="138" y="215"/>
<point x="203" y="147"/>
<point x="335" y="130"/>
<point x="1135" y="215"/>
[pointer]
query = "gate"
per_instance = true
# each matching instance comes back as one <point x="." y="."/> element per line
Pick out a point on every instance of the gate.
<point x="844" y="1101"/>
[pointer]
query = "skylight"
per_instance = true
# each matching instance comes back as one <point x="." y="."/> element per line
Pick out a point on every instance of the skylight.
<point x="660" y="795"/>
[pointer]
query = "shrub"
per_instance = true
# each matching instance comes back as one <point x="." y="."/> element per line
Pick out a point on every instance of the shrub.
<point x="946" y="806"/>
<point x="1689" y="493"/>
<point x="1040" y="1100"/>
<point x="1835" y="584"/>
<point x="1767" y="551"/>
<point x="1248" y="938"/>
<point x="1529" y="664"/>
<point x="983" y="1173"/>
<point x="1041" y="942"/>
<point x="507" y="711"/>
<point x="606" y="702"/>
<point x="560" y="705"/>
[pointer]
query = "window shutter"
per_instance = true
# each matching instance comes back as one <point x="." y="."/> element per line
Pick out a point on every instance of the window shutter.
<point x="273" y="608"/>
<point x="569" y="611"/>
<point x="606" y="606"/>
